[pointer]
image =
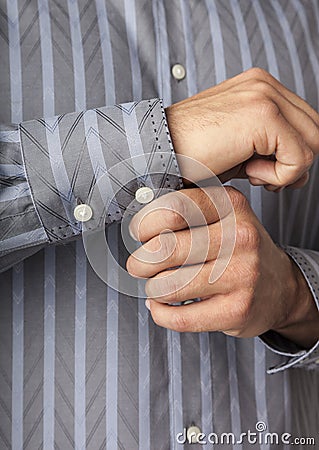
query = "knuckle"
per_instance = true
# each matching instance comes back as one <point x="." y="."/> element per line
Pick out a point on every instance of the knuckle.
<point x="156" y="317"/>
<point x="257" y="73"/>
<point x="170" y="245"/>
<point x="248" y="235"/>
<point x="177" y="211"/>
<point x="260" y="102"/>
<point x="237" y="198"/>
<point x="254" y="270"/>
<point x="180" y="322"/>
<point x="241" y="311"/>
<point x="262" y="87"/>
<point x="162" y="245"/>
<point x="268" y="109"/>
<point x="170" y="288"/>
<point x="154" y="245"/>
<point x="162" y="286"/>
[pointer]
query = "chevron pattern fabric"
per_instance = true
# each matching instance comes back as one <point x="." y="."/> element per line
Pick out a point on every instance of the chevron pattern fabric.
<point x="81" y="365"/>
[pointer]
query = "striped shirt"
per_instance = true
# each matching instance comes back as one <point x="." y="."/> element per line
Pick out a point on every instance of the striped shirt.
<point x="84" y="84"/>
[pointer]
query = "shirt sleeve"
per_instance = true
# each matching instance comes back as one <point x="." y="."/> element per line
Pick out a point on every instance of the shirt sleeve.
<point x="99" y="158"/>
<point x="308" y="263"/>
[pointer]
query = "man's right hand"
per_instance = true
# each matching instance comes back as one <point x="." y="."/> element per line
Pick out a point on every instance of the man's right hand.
<point x="248" y="126"/>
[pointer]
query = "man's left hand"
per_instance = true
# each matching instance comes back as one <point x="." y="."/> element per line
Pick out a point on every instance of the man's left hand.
<point x="261" y="288"/>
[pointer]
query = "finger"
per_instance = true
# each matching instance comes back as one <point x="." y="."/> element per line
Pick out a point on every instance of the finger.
<point x="188" y="282"/>
<point x="300" y="121"/>
<point x="181" y="209"/>
<point x="274" y="174"/>
<point x="185" y="247"/>
<point x="213" y="314"/>
<point x="303" y="180"/>
<point x="236" y="172"/>
<point x="293" y="156"/>
<point x="258" y="182"/>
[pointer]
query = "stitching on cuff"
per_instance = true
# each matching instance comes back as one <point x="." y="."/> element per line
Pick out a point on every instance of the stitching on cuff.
<point x="171" y="145"/>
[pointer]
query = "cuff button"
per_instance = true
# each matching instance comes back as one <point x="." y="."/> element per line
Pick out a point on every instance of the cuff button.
<point x="83" y="213"/>
<point x="144" y="195"/>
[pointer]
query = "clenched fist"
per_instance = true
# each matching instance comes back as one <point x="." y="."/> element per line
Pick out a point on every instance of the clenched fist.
<point x="248" y="126"/>
<point x="260" y="289"/>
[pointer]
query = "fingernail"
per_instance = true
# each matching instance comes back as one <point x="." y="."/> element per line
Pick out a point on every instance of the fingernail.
<point x="187" y="302"/>
<point x="147" y="304"/>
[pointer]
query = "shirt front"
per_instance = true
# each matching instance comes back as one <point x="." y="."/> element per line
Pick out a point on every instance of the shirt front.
<point x="82" y="365"/>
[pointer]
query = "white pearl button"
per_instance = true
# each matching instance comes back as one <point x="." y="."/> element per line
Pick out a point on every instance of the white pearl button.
<point x="178" y="72"/>
<point x="83" y="213"/>
<point x="144" y="195"/>
<point x="192" y="434"/>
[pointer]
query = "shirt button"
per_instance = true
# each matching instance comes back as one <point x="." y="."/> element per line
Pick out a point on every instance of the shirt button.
<point x="144" y="195"/>
<point x="192" y="434"/>
<point x="178" y="72"/>
<point x="83" y="213"/>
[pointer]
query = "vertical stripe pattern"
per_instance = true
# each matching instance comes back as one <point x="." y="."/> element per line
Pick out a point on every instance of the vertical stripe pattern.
<point x="49" y="264"/>
<point x="173" y="338"/>
<point x="189" y="47"/>
<point x="130" y="20"/>
<point x="80" y="349"/>
<point x="18" y="271"/>
<point x="112" y="310"/>
<point x="217" y="41"/>
<point x="162" y="52"/>
<point x="233" y="389"/>
<point x="143" y="375"/>
<point x="106" y="375"/>
<point x="81" y="263"/>
<point x="49" y="349"/>
<point x="15" y="61"/>
<point x="106" y="49"/>
<point x="77" y="53"/>
<point x="47" y="58"/>
<point x="206" y="385"/>
<point x="17" y="356"/>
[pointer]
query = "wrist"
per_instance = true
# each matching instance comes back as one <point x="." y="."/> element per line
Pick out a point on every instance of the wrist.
<point x="186" y="147"/>
<point x="301" y="321"/>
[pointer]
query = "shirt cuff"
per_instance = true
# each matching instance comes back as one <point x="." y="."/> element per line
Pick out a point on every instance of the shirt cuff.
<point x="98" y="158"/>
<point x="20" y="226"/>
<point x="298" y="357"/>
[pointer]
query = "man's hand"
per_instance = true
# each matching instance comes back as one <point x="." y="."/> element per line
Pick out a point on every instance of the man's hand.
<point x="261" y="289"/>
<point x="249" y="125"/>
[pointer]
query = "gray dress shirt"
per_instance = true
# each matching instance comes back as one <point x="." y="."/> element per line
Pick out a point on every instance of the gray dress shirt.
<point x="81" y="365"/>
